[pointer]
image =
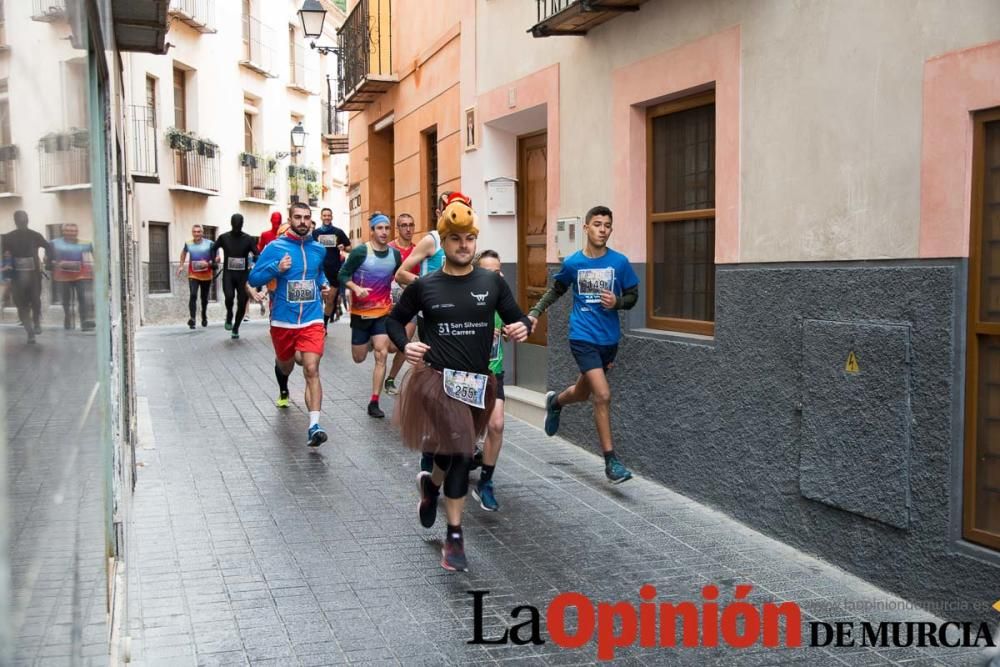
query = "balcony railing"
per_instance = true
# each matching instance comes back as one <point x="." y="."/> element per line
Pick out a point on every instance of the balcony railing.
<point x="334" y="129"/>
<point x="301" y="77"/>
<point x="8" y="170"/>
<point x="48" y="10"/>
<point x="197" y="169"/>
<point x="260" y="178"/>
<point x="198" y="14"/>
<point x="366" y="55"/>
<point x="144" y="153"/>
<point x="64" y="160"/>
<point x="577" y="17"/>
<point x="257" y="52"/>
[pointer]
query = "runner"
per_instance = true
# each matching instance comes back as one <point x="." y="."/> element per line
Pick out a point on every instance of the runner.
<point x="405" y="226"/>
<point x="603" y="283"/>
<point x="368" y="274"/>
<point x="238" y="249"/>
<point x="197" y="258"/>
<point x="269" y="235"/>
<point x="447" y="399"/>
<point x="487" y="458"/>
<point x="336" y="242"/>
<point x="73" y="270"/>
<point x="295" y="263"/>
<point x="20" y="251"/>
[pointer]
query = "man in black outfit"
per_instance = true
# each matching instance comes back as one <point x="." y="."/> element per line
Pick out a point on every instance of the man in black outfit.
<point x="237" y="247"/>
<point x="335" y="241"/>
<point x="445" y="403"/>
<point x="24" y="271"/>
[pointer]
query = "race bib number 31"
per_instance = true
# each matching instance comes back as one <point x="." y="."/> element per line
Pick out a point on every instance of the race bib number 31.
<point x="301" y="291"/>
<point x="590" y="282"/>
<point x="469" y="388"/>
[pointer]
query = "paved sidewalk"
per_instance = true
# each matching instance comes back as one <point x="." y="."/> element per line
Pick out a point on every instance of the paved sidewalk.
<point x="250" y="548"/>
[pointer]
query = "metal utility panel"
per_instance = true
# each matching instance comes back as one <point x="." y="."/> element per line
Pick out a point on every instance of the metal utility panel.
<point x="855" y="438"/>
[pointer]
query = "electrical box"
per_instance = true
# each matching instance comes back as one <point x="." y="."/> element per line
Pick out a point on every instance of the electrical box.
<point x="569" y="236"/>
<point x="501" y="196"/>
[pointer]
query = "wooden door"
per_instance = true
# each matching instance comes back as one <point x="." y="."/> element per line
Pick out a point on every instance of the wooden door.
<point x="532" y="271"/>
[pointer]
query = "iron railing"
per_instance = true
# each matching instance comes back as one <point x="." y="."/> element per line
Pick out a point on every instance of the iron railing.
<point x="360" y="37"/>
<point x="197" y="169"/>
<point x="259" y="177"/>
<point x="48" y="10"/>
<point x="64" y="160"/>
<point x="8" y="169"/>
<point x="199" y="14"/>
<point x="549" y="8"/>
<point x="144" y="145"/>
<point x="257" y="39"/>
<point x="334" y="122"/>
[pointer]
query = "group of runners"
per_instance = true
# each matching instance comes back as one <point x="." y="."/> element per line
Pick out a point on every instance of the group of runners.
<point x="446" y="309"/>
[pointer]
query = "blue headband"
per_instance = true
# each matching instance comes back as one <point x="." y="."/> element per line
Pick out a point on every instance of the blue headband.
<point x="379" y="219"/>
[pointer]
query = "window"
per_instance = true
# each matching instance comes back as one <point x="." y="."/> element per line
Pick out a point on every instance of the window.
<point x="248" y="143"/>
<point x="431" y="169"/>
<point x="180" y="99"/>
<point x="982" y="438"/>
<point x="681" y="215"/>
<point x="159" y="258"/>
<point x="151" y="95"/>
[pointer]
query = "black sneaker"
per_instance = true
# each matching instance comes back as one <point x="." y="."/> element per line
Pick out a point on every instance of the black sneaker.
<point x="428" y="506"/>
<point x="453" y="555"/>
<point x="375" y="411"/>
<point x="190" y="324"/>
<point x="204" y="321"/>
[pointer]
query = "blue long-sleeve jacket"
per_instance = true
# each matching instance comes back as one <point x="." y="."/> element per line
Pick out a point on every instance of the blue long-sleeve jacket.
<point x="296" y="293"/>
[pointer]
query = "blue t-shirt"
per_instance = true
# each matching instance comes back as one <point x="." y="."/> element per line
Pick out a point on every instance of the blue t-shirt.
<point x="590" y="321"/>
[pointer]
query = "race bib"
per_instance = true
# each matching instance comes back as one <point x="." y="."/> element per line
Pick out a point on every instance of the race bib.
<point x="301" y="291"/>
<point x="328" y="240"/>
<point x="396" y="291"/>
<point x="199" y="265"/>
<point x="237" y="264"/>
<point x="24" y="263"/>
<point x="495" y="350"/>
<point x="70" y="267"/>
<point x="469" y="388"/>
<point x="590" y="282"/>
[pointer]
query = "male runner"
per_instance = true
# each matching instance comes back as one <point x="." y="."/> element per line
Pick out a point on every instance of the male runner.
<point x="295" y="263"/>
<point x="237" y="249"/>
<point x="196" y="256"/>
<point x="336" y="242"/>
<point x="446" y="400"/>
<point x="368" y="274"/>
<point x="603" y="283"/>
<point x="73" y="270"/>
<point x="20" y="251"/>
<point x="405" y="226"/>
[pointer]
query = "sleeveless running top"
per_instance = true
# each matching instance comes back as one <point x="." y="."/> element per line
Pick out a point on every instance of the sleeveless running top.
<point x="435" y="261"/>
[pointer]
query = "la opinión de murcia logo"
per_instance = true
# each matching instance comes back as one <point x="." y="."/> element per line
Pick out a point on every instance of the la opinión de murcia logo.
<point x="705" y="623"/>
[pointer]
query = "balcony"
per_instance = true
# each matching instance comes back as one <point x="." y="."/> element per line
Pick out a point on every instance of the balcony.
<point x="577" y="17"/>
<point x="196" y="163"/>
<point x="300" y="78"/>
<point x="145" y="153"/>
<point x="48" y="11"/>
<point x="366" y="55"/>
<point x="64" y="161"/>
<point x="260" y="182"/>
<point x="258" y="56"/>
<point x="196" y="14"/>
<point x="8" y="171"/>
<point x="334" y="130"/>
<point x="303" y="185"/>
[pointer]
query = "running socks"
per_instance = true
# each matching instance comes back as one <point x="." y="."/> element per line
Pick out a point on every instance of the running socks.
<point x="454" y="532"/>
<point x="374" y="398"/>
<point x="282" y="379"/>
<point x="313" y="417"/>
<point x="487" y="473"/>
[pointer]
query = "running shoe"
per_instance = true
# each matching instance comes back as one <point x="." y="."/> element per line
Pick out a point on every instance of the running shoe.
<point x="38" y="329"/>
<point x="228" y="325"/>
<point x="428" y="506"/>
<point x="317" y="436"/>
<point x="552" y="410"/>
<point x="282" y="401"/>
<point x="235" y="335"/>
<point x="190" y="324"/>
<point x="483" y="492"/>
<point x="453" y="555"/>
<point x="616" y="472"/>
<point x="390" y="386"/>
<point x="246" y="318"/>
<point x="204" y="321"/>
<point x="375" y="411"/>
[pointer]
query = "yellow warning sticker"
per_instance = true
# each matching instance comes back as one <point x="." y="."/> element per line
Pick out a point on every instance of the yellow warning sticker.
<point x="996" y="605"/>
<point x="852" y="363"/>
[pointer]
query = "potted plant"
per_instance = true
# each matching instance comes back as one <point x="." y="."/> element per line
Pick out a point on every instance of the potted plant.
<point x="248" y="160"/>
<point x="48" y="142"/>
<point x="179" y="140"/>
<point x="80" y="138"/>
<point x="271" y="194"/>
<point x="314" y="190"/>
<point x="311" y="175"/>
<point x="293" y="171"/>
<point x="210" y="149"/>
<point x="62" y="141"/>
<point x="272" y="164"/>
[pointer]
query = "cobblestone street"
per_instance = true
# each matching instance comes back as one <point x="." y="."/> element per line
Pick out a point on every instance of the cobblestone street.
<point x="250" y="548"/>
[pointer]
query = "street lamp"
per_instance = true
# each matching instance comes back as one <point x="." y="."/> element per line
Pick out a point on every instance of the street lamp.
<point x="313" y="16"/>
<point x="298" y="137"/>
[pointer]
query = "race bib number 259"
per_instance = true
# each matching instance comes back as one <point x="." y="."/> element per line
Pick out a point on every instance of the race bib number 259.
<point x="469" y="388"/>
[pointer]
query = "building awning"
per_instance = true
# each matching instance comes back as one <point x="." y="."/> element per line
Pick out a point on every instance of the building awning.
<point x="140" y="25"/>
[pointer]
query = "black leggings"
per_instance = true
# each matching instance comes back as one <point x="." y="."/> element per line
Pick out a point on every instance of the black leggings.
<point x="67" y="291"/>
<point x="234" y="284"/>
<point x="26" y="288"/>
<point x="195" y="286"/>
<point x="456" y="474"/>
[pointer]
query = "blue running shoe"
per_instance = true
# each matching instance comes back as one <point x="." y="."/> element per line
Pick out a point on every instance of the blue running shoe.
<point x="484" y="494"/>
<point x="616" y="472"/>
<point x="317" y="436"/>
<point x="552" y="410"/>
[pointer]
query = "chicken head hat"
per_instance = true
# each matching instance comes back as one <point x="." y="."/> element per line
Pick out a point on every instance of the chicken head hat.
<point x="457" y="216"/>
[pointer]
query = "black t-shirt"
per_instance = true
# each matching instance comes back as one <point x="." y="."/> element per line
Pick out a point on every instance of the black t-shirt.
<point x="235" y="246"/>
<point x="23" y="243"/>
<point x="331" y="237"/>
<point x="458" y="317"/>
